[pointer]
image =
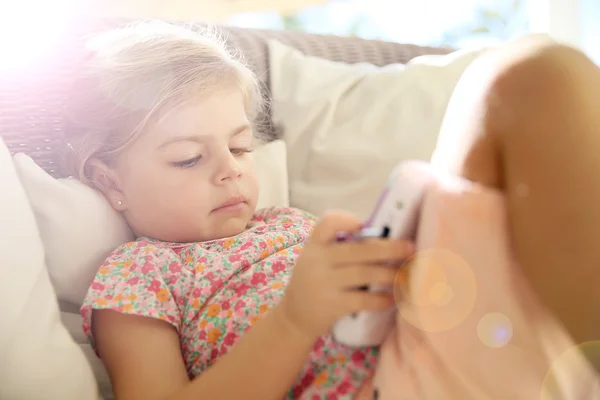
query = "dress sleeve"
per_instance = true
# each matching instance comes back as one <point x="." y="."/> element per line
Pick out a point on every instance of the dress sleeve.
<point x="132" y="281"/>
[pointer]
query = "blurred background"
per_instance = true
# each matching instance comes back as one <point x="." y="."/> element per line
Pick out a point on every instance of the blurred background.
<point x="427" y="22"/>
<point x="455" y="23"/>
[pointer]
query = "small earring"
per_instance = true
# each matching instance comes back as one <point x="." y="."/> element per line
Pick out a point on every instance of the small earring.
<point x="119" y="203"/>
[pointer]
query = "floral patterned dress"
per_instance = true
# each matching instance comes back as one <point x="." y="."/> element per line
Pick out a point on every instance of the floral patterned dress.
<point x="212" y="292"/>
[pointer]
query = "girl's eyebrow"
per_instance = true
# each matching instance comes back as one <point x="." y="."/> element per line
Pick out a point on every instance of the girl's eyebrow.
<point x="200" y="139"/>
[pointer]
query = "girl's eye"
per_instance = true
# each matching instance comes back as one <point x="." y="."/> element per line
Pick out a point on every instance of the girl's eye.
<point x="187" y="163"/>
<point x="240" y="151"/>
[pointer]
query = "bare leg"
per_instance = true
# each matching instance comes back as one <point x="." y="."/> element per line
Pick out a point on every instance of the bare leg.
<point x="530" y="125"/>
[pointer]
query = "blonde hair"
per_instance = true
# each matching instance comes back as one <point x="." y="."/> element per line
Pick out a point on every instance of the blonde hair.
<point x="132" y="73"/>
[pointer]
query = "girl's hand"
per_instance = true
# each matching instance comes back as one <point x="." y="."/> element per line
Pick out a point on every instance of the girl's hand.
<point x="326" y="279"/>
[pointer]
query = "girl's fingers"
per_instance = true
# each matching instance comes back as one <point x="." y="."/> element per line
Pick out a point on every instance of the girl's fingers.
<point x="371" y="251"/>
<point x="356" y="275"/>
<point x="357" y="301"/>
<point x="331" y="224"/>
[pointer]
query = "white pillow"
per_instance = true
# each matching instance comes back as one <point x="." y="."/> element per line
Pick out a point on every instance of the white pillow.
<point x="80" y="229"/>
<point x="346" y="126"/>
<point x="270" y="165"/>
<point x="39" y="358"/>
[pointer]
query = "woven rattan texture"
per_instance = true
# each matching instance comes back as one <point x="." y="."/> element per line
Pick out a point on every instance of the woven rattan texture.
<point x="31" y="99"/>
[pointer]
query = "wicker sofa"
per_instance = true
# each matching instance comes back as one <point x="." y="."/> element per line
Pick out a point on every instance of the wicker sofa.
<point x="31" y="99"/>
<point x="31" y="102"/>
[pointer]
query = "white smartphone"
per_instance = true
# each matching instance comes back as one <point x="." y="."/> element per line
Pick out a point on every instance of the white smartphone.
<point x="395" y="216"/>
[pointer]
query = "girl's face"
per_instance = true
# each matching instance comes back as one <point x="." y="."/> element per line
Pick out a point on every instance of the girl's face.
<point x="190" y="176"/>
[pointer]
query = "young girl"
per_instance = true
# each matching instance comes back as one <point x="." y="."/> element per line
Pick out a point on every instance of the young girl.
<point x="161" y="124"/>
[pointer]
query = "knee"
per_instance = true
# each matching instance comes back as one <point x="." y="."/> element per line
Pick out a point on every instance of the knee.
<point x="536" y="79"/>
<point x="543" y="65"/>
<point x="526" y="86"/>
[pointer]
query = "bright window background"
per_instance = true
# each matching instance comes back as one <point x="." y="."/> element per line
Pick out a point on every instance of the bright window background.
<point x="456" y="23"/>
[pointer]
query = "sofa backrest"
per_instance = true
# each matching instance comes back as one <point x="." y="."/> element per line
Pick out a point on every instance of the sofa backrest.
<point x="31" y="99"/>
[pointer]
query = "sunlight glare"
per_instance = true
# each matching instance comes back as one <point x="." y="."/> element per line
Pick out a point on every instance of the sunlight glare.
<point x="29" y="31"/>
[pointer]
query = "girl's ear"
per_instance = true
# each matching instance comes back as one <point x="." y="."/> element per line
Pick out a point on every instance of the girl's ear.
<point x="106" y="180"/>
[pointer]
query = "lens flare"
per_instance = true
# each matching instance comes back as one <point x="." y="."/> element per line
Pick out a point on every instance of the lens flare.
<point x="495" y="330"/>
<point x="440" y="293"/>
<point x="30" y="31"/>
<point x="571" y="375"/>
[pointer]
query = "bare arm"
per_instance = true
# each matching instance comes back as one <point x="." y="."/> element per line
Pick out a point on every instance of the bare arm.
<point x="144" y="361"/>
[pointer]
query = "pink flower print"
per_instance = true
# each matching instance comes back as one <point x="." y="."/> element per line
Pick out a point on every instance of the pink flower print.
<point x="251" y="304"/>
<point x="307" y="380"/>
<point x="178" y="251"/>
<point x="209" y="276"/>
<point x="235" y="257"/>
<point x="133" y="281"/>
<point x="203" y="335"/>
<point x="154" y="286"/>
<point x="319" y="344"/>
<point x="286" y="227"/>
<point x="242" y="289"/>
<point x="258" y="278"/>
<point x="297" y="250"/>
<point x="344" y="388"/>
<point x="202" y="259"/>
<point x="263" y="245"/>
<point x="277" y="267"/>
<point x="97" y="286"/>
<point x="297" y="392"/>
<point x="196" y="293"/>
<point x="260" y="217"/>
<point x="246" y="245"/>
<point x="230" y="338"/>
<point x="239" y="305"/>
<point x="226" y="305"/>
<point x="175" y="267"/>
<point x="147" y="267"/>
<point x="216" y="284"/>
<point x="214" y="354"/>
<point x="108" y="297"/>
<point x="194" y="359"/>
<point x="173" y="280"/>
<point x="358" y="357"/>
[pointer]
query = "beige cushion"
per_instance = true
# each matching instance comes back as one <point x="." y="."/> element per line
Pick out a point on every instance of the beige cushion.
<point x="270" y="165"/>
<point x="346" y="126"/>
<point x="40" y="360"/>
<point x="78" y="226"/>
